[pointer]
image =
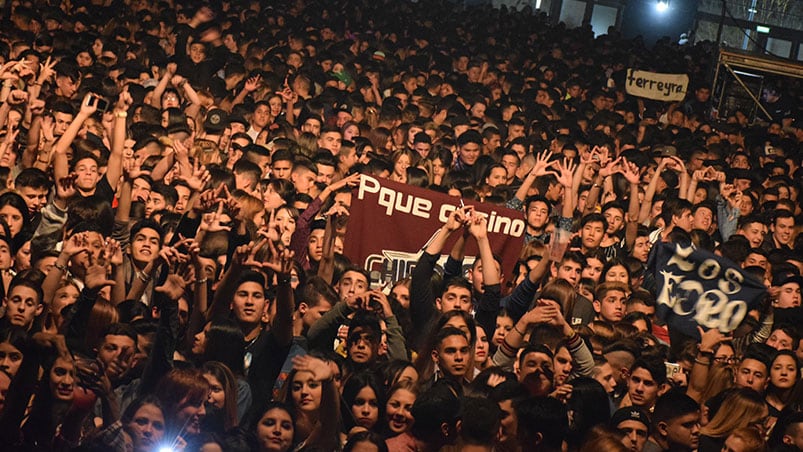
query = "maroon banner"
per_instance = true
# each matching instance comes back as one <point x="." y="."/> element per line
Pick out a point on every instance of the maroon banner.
<point x="390" y="223"/>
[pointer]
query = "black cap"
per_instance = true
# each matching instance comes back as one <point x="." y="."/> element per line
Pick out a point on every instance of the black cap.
<point x="630" y="413"/>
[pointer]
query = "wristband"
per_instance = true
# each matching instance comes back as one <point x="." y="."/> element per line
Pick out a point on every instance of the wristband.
<point x="202" y="281"/>
<point x="121" y="114"/>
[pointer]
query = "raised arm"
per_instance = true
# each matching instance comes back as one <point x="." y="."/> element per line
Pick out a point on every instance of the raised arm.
<point x="114" y="169"/>
<point x="631" y="173"/>
<point x="649" y="194"/>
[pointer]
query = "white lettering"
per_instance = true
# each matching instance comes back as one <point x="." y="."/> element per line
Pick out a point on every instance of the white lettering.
<point x="367" y="185"/>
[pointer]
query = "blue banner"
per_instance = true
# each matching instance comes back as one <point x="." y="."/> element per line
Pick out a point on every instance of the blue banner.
<point x="696" y="287"/>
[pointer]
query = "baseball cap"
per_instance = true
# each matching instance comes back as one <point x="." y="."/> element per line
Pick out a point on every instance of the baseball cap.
<point x="630" y="413"/>
<point x="216" y="121"/>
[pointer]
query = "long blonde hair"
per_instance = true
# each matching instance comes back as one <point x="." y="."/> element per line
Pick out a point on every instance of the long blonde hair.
<point x="741" y="408"/>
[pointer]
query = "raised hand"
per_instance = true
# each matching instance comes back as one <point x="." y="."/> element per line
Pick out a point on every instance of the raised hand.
<point x="565" y="172"/>
<point x="89" y="105"/>
<point x="173" y="286"/>
<point x="96" y="273"/>
<point x="132" y="169"/>
<point x="319" y="368"/>
<point x="17" y="97"/>
<point x="46" y="71"/>
<point x="75" y="245"/>
<point x="253" y="83"/>
<point x="280" y="260"/>
<point x="478" y="226"/>
<point x="610" y="167"/>
<point x="199" y="177"/>
<point x="124" y="100"/>
<point x="542" y="164"/>
<point x="212" y="222"/>
<point x="631" y="172"/>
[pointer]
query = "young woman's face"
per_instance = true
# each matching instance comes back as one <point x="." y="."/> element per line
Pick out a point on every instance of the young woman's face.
<point x="190" y="415"/>
<point x="146" y="428"/>
<point x="10" y="358"/>
<point x="306" y="391"/>
<point x="400" y="168"/>
<point x="285" y="221"/>
<point x="482" y="347"/>
<point x="397" y="410"/>
<point x="402" y="294"/>
<point x="783" y="373"/>
<point x="271" y="198"/>
<point x="62" y="379"/>
<point x="351" y="132"/>
<point x="275" y="431"/>
<point x="503" y="325"/>
<point x="13" y="218"/>
<point x="65" y="296"/>
<point x="199" y="341"/>
<point x="365" y="408"/>
<point x="275" y="103"/>
<point x="217" y="395"/>
<point x="617" y="273"/>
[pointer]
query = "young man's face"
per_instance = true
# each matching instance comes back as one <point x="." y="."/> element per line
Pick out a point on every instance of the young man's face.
<point x="537" y="215"/>
<point x="455" y="298"/>
<point x="363" y="345"/>
<point x="789" y="295"/>
<point x="281" y="169"/>
<point x="88" y="174"/>
<point x="452" y="355"/>
<point x="752" y="374"/>
<point x="570" y="271"/>
<point x="330" y="141"/>
<point x="642" y="388"/>
<point x="113" y="345"/>
<point x="140" y="190"/>
<point x="782" y="230"/>
<point x="352" y="283"/>
<point x="635" y="434"/>
<point x="155" y="203"/>
<point x="683" y="433"/>
<point x="35" y="197"/>
<point x="612" y="306"/>
<point x="22" y="306"/>
<point x="562" y="363"/>
<point x="591" y="234"/>
<point x="754" y="233"/>
<point x="534" y="361"/>
<point x="685" y="220"/>
<point x="469" y="153"/>
<point x="145" y="246"/>
<point x="304" y="180"/>
<point x="249" y="303"/>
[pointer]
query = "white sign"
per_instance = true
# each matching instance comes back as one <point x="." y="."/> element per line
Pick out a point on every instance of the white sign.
<point x="652" y="85"/>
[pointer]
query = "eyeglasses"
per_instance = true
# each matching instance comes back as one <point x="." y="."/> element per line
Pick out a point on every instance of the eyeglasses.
<point x="725" y="360"/>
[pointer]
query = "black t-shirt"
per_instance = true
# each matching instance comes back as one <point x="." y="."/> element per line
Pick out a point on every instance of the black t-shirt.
<point x="103" y="191"/>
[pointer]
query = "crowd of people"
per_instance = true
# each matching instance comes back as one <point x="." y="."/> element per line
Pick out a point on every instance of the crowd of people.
<point x="177" y="178"/>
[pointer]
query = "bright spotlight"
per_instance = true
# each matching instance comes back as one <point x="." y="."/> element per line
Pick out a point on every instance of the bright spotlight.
<point x="662" y="5"/>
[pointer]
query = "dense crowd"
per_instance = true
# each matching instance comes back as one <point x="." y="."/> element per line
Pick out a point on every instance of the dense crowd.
<point x="177" y="184"/>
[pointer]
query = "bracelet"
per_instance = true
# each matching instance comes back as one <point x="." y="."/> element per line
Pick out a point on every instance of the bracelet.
<point x="701" y="362"/>
<point x="121" y="114"/>
<point x="202" y="281"/>
<point x="8" y="83"/>
<point x="59" y="266"/>
<point x="515" y="328"/>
